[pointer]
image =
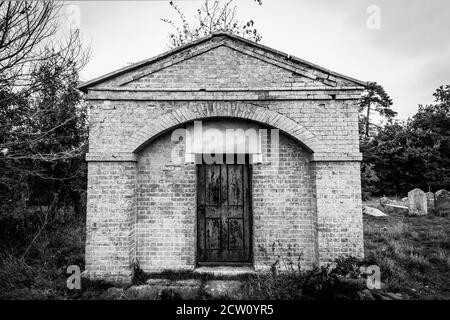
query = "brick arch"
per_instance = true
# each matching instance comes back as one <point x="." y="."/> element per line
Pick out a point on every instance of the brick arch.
<point x="203" y="111"/>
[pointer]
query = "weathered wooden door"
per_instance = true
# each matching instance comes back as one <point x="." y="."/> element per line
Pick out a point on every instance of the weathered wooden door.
<point x="223" y="210"/>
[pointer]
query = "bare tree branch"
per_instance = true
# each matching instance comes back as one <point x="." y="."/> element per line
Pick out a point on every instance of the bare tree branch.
<point x="212" y="16"/>
<point x="27" y="31"/>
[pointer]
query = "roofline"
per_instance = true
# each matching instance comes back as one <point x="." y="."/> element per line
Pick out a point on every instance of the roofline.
<point x="294" y="58"/>
<point x="84" y="86"/>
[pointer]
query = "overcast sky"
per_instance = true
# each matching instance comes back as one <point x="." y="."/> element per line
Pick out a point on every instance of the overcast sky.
<point x="409" y="54"/>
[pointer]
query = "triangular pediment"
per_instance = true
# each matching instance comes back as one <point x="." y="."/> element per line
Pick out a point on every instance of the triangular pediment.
<point x="219" y="62"/>
<point x="220" y="68"/>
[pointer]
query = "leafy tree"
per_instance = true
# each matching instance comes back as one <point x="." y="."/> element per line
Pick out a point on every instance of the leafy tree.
<point x="212" y="16"/>
<point x="369" y="179"/>
<point x="42" y="120"/>
<point x="45" y="138"/>
<point x="374" y="100"/>
<point x="415" y="153"/>
<point x="386" y="154"/>
<point x="431" y="126"/>
<point x="442" y="95"/>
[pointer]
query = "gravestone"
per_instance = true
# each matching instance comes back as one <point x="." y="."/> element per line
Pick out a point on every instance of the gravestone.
<point x="442" y="202"/>
<point x="430" y="200"/>
<point x="417" y="202"/>
<point x="405" y="201"/>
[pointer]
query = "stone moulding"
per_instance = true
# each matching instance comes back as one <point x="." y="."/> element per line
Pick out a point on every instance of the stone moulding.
<point x="133" y="157"/>
<point x="224" y="95"/>
<point x="111" y="157"/>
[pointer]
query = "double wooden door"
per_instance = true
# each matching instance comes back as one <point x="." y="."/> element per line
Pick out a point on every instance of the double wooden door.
<point x="223" y="213"/>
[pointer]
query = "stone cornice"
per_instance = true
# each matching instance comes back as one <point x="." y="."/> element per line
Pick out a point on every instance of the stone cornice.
<point x="118" y="94"/>
<point x="111" y="157"/>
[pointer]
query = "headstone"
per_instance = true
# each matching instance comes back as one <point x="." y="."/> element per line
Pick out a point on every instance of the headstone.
<point x="417" y="202"/>
<point x="430" y="200"/>
<point x="442" y="202"/>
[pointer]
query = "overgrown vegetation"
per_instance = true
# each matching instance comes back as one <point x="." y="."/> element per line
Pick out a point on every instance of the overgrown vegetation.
<point x="412" y="252"/>
<point x="339" y="281"/>
<point x="42" y="272"/>
<point x="43" y="139"/>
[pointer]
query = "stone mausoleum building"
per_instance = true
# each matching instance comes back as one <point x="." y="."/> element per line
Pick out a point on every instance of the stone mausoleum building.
<point x="155" y="200"/>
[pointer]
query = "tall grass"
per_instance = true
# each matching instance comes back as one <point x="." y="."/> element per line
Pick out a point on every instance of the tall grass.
<point x="34" y="256"/>
<point x="412" y="252"/>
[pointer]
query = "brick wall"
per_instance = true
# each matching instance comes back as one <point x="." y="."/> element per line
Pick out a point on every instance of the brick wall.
<point x="284" y="208"/>
<point x="339" y="209"/>
<point x="166" y="208"/>
<point x="110" y="220"/>
<point x="284" y="217"/>
<point x="147" y="211"/>
<point x="244" y="71"/>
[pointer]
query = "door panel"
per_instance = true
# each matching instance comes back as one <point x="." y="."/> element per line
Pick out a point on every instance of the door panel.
<point x="235" y="185"/>
<point x="213" y="184"/>
<point x="235" y="234"/>
<point x="213" y="231"/>
<point x="223" y="214"/>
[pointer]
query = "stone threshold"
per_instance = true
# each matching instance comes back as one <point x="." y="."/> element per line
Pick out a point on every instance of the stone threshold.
<point x="225" y="270"/>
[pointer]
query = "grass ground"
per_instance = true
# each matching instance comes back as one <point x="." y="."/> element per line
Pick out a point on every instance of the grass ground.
<point x="412" y="252"/>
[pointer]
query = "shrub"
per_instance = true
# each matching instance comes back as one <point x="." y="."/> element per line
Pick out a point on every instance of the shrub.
<point x="35" y="255"/>
<point x="139" y="276"/>
<point x="289" y="281"/>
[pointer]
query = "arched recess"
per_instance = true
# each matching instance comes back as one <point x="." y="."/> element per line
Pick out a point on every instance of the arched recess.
<point x="202" y="111"/>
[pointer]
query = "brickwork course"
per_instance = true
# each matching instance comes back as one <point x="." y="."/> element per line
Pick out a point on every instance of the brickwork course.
<point x="142" y="207"/>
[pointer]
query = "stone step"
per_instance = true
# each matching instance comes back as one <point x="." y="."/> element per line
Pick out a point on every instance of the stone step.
<point x="156" y="289"/>
<point x="225" y="271"/>
<point x="189" y="289"/>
